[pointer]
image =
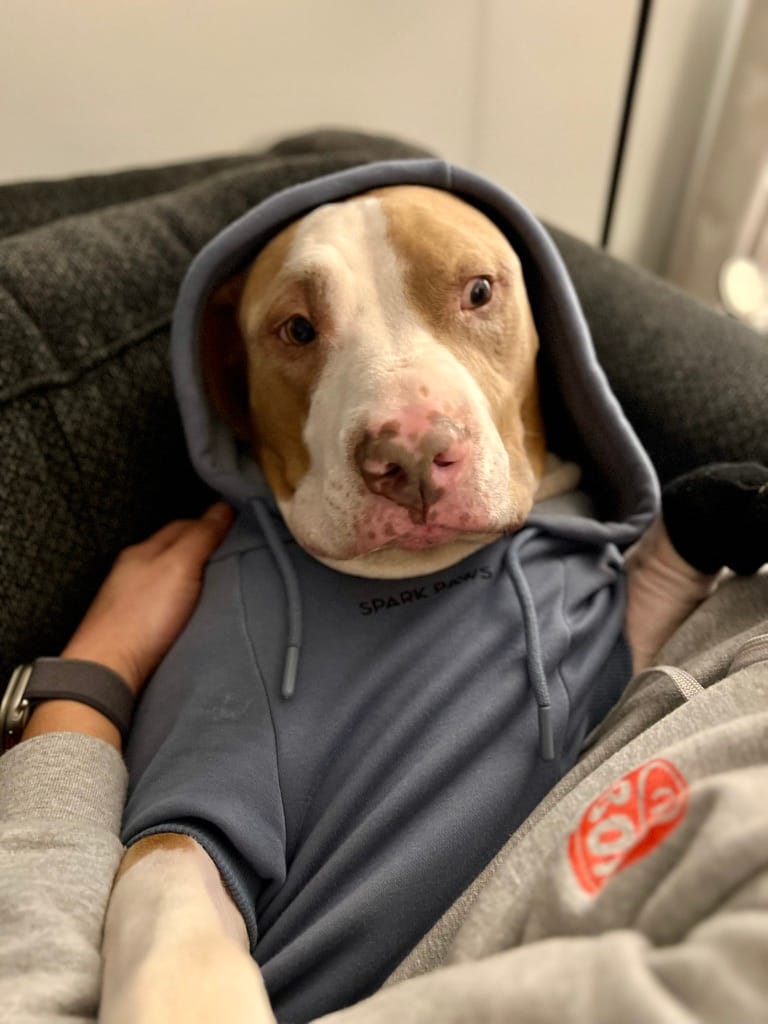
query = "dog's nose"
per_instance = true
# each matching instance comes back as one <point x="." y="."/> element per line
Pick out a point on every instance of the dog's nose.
<point x="412" y="469"/>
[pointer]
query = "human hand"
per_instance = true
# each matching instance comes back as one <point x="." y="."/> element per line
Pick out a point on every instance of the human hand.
<point x="148" y="597"/>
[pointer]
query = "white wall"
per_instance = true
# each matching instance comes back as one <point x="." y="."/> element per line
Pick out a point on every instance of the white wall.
<point x="686" y="64"/>
<point x="553" y="77"/>
<point x="527" y="91"/>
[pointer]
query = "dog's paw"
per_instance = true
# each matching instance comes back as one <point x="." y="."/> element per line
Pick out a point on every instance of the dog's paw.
<point x="717" y="516"/>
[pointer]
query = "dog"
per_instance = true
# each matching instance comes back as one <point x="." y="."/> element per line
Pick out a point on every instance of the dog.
<point x="379" y="360"/>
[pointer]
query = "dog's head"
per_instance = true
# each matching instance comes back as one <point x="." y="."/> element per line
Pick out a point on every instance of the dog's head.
<point x="379" y="356"/>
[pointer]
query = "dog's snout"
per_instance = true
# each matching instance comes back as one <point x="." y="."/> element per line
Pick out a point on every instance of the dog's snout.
<point x="413" y="468"/>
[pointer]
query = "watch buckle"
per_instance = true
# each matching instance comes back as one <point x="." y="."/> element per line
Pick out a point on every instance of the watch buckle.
<point x="14" y="708"/>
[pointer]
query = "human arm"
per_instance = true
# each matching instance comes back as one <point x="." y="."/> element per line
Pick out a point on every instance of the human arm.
<point x="62" y="788"/>
<point x="135" y="617"/>
<point x="61" y="799"/>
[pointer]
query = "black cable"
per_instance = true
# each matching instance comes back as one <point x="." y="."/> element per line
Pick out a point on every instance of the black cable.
<point x="634" y="70"/>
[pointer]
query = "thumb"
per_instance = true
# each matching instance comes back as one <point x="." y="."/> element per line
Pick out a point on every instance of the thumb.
<point x="219" y="515"/>
<point x="218" y="518"/>
<point x="205" y="534"/>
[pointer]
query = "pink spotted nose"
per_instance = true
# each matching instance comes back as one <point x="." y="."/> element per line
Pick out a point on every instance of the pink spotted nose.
<point x="413" y="467"/>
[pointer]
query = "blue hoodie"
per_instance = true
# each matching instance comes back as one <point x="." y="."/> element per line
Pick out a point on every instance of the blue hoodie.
<point x="351" y="752"/>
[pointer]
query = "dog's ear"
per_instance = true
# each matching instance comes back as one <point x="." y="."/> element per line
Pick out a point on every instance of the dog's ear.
<point x="223" y="357"/>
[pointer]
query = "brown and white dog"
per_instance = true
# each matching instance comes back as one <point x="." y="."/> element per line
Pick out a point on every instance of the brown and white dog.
<point x="435" y="421"/>
<point x="419" y="300"/>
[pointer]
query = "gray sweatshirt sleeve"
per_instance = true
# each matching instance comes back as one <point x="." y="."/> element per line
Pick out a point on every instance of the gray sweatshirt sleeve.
<point x="691" y="948"/>
<point x="601" y="979"/>
<point x="61" y="800"/>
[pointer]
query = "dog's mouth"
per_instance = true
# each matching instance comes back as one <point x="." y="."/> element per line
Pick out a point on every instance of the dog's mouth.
<point x="342" y="528"/>
<point x="430" y="542"/>
<point x="428" y="536"/>
<point x="373" y="539"/>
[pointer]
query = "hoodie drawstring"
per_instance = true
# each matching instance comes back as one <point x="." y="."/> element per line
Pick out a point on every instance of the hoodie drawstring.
<point x="535" y="667"/>
<point x="293" y="597"/>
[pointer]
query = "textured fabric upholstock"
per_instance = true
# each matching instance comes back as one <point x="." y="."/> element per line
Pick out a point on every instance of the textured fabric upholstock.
<point x="91" y="452"/>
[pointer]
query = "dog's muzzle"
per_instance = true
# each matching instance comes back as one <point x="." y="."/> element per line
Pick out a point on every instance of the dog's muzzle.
<point x="413" y="463"/>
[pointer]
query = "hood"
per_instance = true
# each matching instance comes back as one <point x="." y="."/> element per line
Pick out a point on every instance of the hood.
<point x="583" y="418"/>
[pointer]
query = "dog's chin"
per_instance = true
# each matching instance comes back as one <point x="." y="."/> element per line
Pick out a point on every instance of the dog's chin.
<point x="384" y="543"/>
<point x="422" y="538"/>
<point x="403" y="563"/>
<point x="420" y="553"/>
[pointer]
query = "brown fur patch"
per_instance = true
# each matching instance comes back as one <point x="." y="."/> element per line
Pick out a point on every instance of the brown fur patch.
<point x="443" y="243"/>
<point x="162" y="842"/>
<point x="281" y="378"/>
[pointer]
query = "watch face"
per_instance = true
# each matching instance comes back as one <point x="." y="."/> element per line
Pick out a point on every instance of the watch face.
<point x="14" y="708"/>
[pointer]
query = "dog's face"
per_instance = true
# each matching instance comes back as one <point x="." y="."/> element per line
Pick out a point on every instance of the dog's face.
<point x="379" y="355"/>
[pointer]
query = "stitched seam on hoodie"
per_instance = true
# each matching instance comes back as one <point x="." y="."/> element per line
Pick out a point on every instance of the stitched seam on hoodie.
<point x="561" y="661"/>
<point x="260" y="674"/>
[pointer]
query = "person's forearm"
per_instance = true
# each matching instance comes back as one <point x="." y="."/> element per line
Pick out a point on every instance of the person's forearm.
<point x="71" y="716"/>
<point x="63" y="787"/>
<point x="61" y="797"/>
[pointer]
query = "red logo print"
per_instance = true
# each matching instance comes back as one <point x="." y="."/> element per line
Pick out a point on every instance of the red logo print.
<point x="627" y="821"/>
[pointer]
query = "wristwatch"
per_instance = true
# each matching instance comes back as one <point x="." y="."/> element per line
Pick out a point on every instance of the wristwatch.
<point x="63" y="679"/>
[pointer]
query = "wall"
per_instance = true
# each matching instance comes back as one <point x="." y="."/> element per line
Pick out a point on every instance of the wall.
<point x="688" y="52"/>
<point x="529" y="92"/>
<point x="720" y="251"/>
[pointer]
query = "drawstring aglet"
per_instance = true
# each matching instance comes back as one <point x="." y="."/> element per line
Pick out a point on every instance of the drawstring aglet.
<point x="290" y="671"/>
<point x="546" y="732"/>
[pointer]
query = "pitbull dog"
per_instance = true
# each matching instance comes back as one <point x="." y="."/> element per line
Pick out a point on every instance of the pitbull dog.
<point x="379" y="359"/>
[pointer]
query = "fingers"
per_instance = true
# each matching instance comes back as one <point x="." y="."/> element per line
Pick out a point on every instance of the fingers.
<point x="204" y="535"/>
<point x="148" y="596"/>
<point x="162" y="539"/>
<point x="197" y="538"/>
<point x="220" y="515"/>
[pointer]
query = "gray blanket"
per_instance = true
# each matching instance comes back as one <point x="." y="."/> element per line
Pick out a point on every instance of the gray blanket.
<point x="92" y="453"/>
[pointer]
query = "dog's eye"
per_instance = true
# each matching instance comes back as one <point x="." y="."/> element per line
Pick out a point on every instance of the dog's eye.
<point x="477" y="292"/>
<point x="298" y="331"/>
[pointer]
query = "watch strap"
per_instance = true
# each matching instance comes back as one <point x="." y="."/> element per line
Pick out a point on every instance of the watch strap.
<point x="87" y="682"/>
